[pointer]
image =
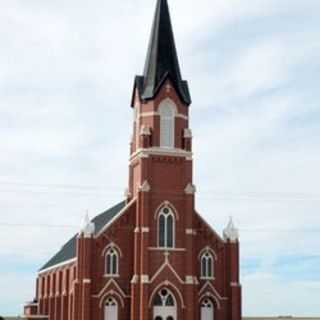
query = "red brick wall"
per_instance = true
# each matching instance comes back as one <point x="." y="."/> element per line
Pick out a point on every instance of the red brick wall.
<point x="79" y="290"/>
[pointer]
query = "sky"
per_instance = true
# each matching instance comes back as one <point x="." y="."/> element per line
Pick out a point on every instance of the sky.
<point x="67" y="70"/>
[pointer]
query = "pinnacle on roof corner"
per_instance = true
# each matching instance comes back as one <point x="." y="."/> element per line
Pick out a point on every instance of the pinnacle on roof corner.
<point x="87" y="227"/>
<point x="231" y="233"/>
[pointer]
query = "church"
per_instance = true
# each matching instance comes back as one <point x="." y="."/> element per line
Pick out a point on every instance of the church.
<point x="151" y="256"/>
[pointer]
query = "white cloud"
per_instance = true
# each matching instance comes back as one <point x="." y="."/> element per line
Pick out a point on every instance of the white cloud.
<point x="265" y="294"/>
<point x="67" y="71"/>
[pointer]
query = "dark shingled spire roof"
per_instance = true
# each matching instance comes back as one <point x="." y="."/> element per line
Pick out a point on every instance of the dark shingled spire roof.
<point x="162" y="60"/>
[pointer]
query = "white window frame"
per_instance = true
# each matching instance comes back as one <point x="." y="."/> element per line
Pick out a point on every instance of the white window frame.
<point x="204" y="315"/>
<point x="137" y="125"/>
<point x="115" y="255"/>
<point x="171" y="214"/>
<point x="207" y="255"/>
<point x="167" y="111"/>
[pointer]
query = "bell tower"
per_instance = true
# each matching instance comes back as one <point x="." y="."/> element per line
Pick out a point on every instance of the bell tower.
<point x="160" y="103"/>
<point x="161" y="170"/>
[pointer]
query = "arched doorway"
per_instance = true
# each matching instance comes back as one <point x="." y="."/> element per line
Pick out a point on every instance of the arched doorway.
<point x="111" y="309"/>
<point x="207" y="310"/>
<point x="164" y="306"/>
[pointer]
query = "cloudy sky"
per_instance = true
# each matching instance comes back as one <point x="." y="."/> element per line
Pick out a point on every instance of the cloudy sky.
<point x="67" y="70"/>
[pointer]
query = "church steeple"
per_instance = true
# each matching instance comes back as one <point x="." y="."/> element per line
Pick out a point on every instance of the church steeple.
<point x="162" y="59"/>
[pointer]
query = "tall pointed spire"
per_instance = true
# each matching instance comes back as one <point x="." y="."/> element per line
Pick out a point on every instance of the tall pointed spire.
<point x="162" y="59"/>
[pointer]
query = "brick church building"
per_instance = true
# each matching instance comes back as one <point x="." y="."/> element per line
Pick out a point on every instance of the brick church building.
<point x="151" y="256"/>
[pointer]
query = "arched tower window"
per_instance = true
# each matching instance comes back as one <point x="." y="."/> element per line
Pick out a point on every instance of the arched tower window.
<point x="207" y="310"/>
<point x="207" y="265"/>
<point x="112" y="262"/>
<point x="167" y="124"/>
<point x="166" y="228"/>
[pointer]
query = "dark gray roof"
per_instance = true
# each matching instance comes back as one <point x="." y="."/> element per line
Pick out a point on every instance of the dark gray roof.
<point x="68" y="251"/>
<point x="162" y="59"/>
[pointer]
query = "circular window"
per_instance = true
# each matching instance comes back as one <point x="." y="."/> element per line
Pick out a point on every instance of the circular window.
<point x="164" y="292"/>
<point x="111" y="302"/>
<point x="166" y="210"/>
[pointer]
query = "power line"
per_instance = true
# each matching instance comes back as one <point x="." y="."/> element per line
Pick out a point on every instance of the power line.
<point x="22" y="225"/>
<point x="116" y="189"/>
<point x="273" y="197"/>
<point x="273" y="230"/>
<point x="58" y="185"/>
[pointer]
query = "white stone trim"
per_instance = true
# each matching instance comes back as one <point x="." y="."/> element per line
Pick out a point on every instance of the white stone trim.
<point x="162" y="267"/>
<point x="120" y="213"/>
<point x="27" y="304"/>
<point x="111" y="281"/>
<point x="212" y="296"/>
<point x="145" y="187"/>
<point x="187" y="133"/>
<point x="36" y="316"/>
<point x="208" y="249"/>
<point x="191" y="232"/>
<point x="144" y="278"/>
<point x="166" y="283"/>
<point x="158" y="151"/>
<point x="145" y="229"/>
<point x="148" y="114"/>
<point x="86" y="281"/>
<point x="111" y="293"/>
<point x="155" y="114"/>
<point x="182" y="116"/>
<point x="173" y="216"/>
<point x="231" y="233"/>
<point x="87" y="227"/>
<point x="111" y="245"/>
<point x="166" y="203"/>
<point x="134" y="279"/>
<point x="58" y="265"/>
<point x="127" y="193"/>
<point x="109" y="276"/>
<point x="209" y="284"/>
<point x="167" y="249"/>
<point x="190" y="189"/>
<point x="235" y="284"/>
<point x="207" y="278"/>
<point x="189" y="280"/>
<point x="145" y="130"/>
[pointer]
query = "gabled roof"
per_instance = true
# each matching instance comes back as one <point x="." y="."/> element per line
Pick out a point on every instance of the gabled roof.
<point x="68" y="251"/>
<point x="162" y="59"/>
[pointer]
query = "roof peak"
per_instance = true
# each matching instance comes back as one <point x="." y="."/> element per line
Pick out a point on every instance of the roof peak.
<point x="162" y="59"/>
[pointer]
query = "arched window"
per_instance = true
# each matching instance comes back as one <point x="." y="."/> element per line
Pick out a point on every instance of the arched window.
<point x="167" y="125"/>
<point x="166" y="228"/>
<point x="111" y="309"/>
<point x="112" y="262"/>
<point x="164" y="306"/>
<point x="207" y="265"/>
<point x="207" y="310"/>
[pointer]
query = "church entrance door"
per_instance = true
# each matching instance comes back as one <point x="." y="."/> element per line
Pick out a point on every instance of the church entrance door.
<point x="207" y="310"/>
<point x="111" y="310"/>
<point x="164" y="306"/>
